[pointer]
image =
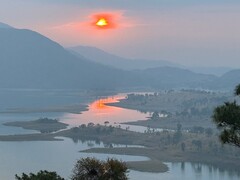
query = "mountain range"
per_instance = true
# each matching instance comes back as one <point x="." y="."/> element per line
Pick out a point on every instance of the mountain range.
<point x="31" y="60"/>
<point x="97" y="55"/>
<point x="100" y="56"/>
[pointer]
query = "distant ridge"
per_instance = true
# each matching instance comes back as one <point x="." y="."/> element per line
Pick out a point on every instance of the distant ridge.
<point x="97" y="55"/>
<point x="100" y="56"/>
<point x="228" y="80"/>
<point x="31" y="60"/>
<point x="5" y="26"/>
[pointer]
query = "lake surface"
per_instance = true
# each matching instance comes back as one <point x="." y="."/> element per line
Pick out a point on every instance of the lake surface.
<point x="60" y="156"/>
<point x="99" y="113"/>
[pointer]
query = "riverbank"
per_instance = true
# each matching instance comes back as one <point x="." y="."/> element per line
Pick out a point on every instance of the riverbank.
<point x="74" y="109"/>
<point x="159" y="147"/>
<point x="43" y="125"/>
<point x="186" y="107"/>
<point x="157" y="156"/>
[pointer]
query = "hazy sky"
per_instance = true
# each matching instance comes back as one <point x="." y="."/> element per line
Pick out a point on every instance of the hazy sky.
<point x="189" y="32"/>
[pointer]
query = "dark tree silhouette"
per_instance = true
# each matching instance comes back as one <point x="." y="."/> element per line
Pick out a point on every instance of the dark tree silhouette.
<point x="227" y="118"/>
<point x="115" y="170"/>
<point x="88" y="169"/>
<point x="93" y="169"/>
<point x="155" y="116"/>
<point x="41" y="175"/>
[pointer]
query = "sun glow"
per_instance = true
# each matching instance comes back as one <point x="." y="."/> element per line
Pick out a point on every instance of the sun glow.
<point x="102" y="22"/>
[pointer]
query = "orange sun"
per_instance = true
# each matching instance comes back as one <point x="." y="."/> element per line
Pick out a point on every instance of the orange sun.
<point x="102" y="22"/>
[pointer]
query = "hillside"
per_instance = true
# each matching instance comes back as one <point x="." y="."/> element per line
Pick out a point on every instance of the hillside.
<point x="30" y="60"/>
<point x="227" y="81"/>
<point x="97" y="55"/>
<point x="170" y="77"/>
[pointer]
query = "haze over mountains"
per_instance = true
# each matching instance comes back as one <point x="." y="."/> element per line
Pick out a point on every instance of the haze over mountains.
<point x="30" y="60"/>
<point x="97" y="55"/>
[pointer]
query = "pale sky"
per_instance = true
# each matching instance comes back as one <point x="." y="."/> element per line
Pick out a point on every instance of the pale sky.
<point x="188" y="32"/>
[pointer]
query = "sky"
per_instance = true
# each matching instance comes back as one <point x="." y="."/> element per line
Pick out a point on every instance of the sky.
<point x="188" y="32"/>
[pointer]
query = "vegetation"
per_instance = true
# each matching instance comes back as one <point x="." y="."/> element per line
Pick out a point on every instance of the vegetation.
<point x="193" y="137"/>
<point x="44" y="125"/>
<point x="93" y="169"/>
<point x="86" y="169"/>
<point x="227" y="118"/>
<point x="160" y="146"/>
<point x="41" y="175"/>
<point x="188" y="107"/>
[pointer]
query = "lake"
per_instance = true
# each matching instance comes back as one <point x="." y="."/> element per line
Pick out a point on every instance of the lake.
<point x="60" y="156"/>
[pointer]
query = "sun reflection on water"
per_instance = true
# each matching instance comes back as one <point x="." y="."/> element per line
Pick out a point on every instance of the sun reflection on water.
<point x="100" y="112"/>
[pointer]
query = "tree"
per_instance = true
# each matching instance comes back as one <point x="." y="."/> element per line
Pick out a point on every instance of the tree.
<point x="227" y="119"/>
<point x="93" y="169"/>
<point x="88" y="169"/>
<point x="155" y="116"/>
<point x="183" y="146"/>
<point x="41" y="175"/>
<point x="106" y="123"/>
<point x="115" y="170"/>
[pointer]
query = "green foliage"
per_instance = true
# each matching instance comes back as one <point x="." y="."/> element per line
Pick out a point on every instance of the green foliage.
<point x="183" y="146"/>
<point x="115" y="170"/>
<point x="88" y="168"/>
<point x="155" y="116"/>
<point x="177" y="136"/>
<point x="93" y="169"/>
<point x="237" y="90"/>
<point x="227" y="118"/>
<point x="41" y="175"/>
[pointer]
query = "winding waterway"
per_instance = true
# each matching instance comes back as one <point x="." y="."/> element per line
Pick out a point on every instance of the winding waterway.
<point x="60" y="156"/>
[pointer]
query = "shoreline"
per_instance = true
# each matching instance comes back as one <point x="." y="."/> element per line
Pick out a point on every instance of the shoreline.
<point x="156" y="152"/>
<point x="157" y="159"/>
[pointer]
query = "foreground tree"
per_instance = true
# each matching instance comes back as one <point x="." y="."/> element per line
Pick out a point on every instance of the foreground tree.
<point x="93" y="169"/>
<point x="115" y="170"/>
<point x="88" y="169"/>
<point x="41" y="175"/>
<point x="155" y="116"/>
<point x="227" y="118"/>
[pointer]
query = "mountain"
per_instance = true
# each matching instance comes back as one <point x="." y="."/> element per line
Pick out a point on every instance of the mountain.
<point x="100" y="56"/>
<point x="30" y="60"/>
<point x="170" y="77"/>
<point x="5" y="26"/>
<point x="217" y="71"/>
<point x="227" y="81"/>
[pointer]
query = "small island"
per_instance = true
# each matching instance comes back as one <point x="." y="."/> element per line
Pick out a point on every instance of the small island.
<point x="43" y="125"/>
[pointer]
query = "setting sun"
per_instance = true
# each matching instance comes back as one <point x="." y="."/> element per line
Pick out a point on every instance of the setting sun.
<point x="102" y="22"/>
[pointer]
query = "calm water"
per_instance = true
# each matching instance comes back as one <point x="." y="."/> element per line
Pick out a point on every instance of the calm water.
<point x="99" y="113"/>
<point x="18" y="157"/>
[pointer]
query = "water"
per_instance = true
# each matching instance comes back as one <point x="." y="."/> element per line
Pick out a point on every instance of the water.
<point x="187" y="171"/>
<point x="60" y="156"/>
<point x="99" y="113"/>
